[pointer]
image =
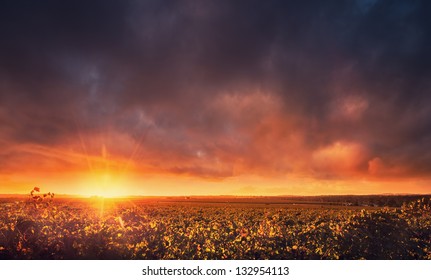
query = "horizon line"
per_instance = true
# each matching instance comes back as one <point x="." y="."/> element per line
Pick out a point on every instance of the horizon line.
<point x="218" y="195"/>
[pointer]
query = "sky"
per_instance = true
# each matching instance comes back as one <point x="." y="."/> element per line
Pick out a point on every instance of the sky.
<point x="215" y="97"/>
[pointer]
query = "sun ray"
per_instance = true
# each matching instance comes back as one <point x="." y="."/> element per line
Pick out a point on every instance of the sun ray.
<point x="83" y="146"/>
<point x="135" y="151"/>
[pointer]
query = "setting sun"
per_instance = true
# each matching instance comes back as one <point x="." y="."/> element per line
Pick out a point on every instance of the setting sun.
<point x="104" y="184"/>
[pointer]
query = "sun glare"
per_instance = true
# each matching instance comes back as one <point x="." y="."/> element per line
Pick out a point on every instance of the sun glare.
<point x="104" y="184"/>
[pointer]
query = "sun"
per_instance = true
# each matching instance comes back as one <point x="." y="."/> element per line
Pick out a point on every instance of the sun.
<point x="105" y="184"/>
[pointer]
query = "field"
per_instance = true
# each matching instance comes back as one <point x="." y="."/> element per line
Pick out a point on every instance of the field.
<point x="214" y="228"/>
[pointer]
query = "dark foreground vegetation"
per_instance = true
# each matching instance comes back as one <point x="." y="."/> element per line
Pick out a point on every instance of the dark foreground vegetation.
<point x="149" y="229"/>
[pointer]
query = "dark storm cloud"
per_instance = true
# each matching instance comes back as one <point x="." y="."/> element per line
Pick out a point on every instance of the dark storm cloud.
<point x="349" y="71"/>
<point x="46" y="55"/>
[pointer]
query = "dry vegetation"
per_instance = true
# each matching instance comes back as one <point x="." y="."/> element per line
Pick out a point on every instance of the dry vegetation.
<point x="144" y="229"/>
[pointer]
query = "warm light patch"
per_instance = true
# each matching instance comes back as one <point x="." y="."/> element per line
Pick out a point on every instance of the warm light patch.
<point x="339" y="158"/>
<point x="375" y="166"/>
<point x="105" y="184"/>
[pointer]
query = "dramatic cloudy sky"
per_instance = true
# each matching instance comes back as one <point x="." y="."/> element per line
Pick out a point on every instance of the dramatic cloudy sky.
<point x="215" y="97"/>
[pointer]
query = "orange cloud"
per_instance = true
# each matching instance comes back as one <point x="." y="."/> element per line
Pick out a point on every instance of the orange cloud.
<point x="339" y="159"/>
<point x="378" y="168"/>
